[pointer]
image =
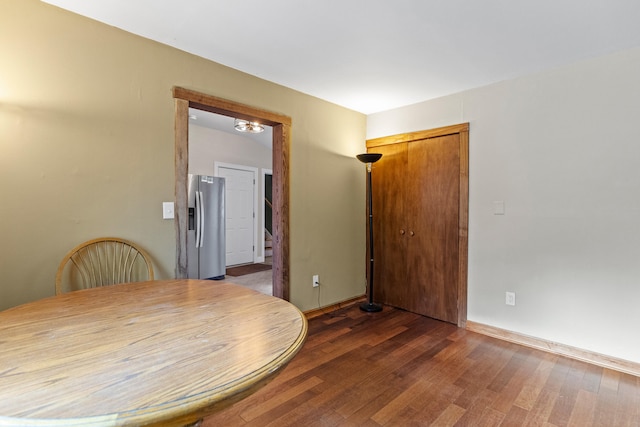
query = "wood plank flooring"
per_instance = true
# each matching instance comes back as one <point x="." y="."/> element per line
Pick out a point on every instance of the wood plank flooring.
<point x="396" y="368"/>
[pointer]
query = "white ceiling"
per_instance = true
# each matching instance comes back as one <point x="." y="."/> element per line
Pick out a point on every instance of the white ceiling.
<point x="375" y="55"/>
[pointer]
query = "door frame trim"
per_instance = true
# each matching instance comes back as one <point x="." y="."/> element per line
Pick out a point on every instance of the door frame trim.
<point x="463" y="210"/>
<point x="281" y="124"/>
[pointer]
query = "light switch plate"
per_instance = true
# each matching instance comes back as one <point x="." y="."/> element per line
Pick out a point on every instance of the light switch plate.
<point x="498" y="207"/>
<point x="167" y="210"/>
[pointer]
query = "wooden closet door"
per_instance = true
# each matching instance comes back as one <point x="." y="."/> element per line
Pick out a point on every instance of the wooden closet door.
<point x="389" y="222"/>
<point x="431" y="207"/>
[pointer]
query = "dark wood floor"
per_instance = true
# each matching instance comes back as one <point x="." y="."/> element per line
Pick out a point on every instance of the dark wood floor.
<point x="399" y="369"/>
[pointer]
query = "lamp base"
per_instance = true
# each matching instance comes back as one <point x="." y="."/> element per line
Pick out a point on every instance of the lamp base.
<point x="370" y="307"/>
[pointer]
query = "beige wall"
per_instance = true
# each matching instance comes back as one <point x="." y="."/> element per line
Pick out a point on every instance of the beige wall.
<point x="86" y="150"/>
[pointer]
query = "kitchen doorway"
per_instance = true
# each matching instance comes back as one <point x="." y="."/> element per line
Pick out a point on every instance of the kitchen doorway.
<point x="185" y="99"/>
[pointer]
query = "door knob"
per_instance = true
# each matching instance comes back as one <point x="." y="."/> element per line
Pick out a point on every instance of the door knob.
<point x="402" y="232"/>
<point x="412" y="233"/>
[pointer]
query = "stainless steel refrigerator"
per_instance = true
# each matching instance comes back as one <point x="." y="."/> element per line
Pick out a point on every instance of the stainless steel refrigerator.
<point x="206" y="230"/>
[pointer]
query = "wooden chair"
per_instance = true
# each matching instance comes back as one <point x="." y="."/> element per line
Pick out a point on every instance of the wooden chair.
<point x="102" y="262"/>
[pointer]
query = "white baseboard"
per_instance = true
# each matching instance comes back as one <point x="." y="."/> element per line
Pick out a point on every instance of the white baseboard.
<point x="598" y="359"/>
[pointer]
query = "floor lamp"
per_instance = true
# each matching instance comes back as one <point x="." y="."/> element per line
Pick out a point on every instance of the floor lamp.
<point x="368" y="159"/>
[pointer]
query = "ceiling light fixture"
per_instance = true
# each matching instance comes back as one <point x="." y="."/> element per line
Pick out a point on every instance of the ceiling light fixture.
<point x="247" y="126"/>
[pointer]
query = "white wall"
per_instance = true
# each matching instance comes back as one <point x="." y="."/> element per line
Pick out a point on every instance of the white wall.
<point x="209" y="145"/>
<point x="561" y="149"/>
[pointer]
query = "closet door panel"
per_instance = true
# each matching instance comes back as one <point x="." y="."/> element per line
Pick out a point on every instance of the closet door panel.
<point x="432" y="194"/>
<point x="389" y="222"/>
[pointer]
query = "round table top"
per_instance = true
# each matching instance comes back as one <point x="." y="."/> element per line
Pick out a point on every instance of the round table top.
<point x="165" y="352"/>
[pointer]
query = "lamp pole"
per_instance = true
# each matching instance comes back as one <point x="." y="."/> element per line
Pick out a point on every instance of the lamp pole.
<point x="368" y="159"/>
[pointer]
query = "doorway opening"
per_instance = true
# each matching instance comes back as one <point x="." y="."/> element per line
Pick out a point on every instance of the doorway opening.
<point x="185" y="99"/>
<point x="267" y="220"/>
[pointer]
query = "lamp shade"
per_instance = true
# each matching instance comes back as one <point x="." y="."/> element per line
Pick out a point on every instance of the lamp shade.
<point x="369" y="157"/>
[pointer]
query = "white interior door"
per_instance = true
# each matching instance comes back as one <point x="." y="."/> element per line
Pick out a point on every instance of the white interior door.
<point x="239" y="196"/>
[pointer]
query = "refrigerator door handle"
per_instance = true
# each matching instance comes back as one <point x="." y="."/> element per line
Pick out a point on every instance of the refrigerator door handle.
<point x="201" y="219"/>
<point x="198" y="219"/>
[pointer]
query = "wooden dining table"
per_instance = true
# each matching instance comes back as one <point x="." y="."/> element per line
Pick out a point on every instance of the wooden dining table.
<point x="149" y="353"/>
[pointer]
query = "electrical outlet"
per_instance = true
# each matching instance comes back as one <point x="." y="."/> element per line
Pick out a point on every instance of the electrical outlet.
<point x="510" y="298"/>
<point x="316" y="281"/>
